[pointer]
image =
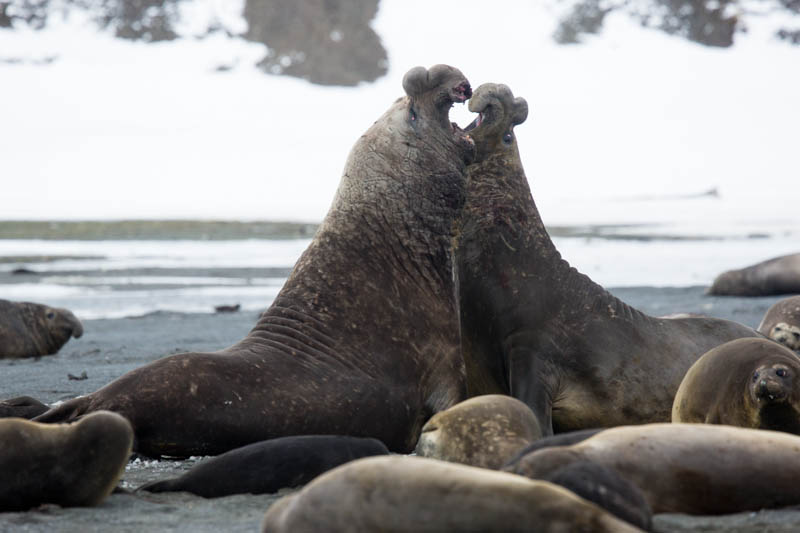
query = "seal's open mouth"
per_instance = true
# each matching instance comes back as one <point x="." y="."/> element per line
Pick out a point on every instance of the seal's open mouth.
<point x="461" y="92"/>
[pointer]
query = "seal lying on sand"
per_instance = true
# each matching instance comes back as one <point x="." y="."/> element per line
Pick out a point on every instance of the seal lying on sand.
<point x="363" y="338"/>
<point x="687" y="468"/>
<point x="418" y="494"/>
<point x="781" y="323"/>
<point x="780" y="275"/>
<point x="22" y="407"/>
<point x="537" y="329"/>
<point x="751" y="383"/>
<point x="69" y="465"/>
<point x="30" y="329"/>
<point x="270" y="465"/>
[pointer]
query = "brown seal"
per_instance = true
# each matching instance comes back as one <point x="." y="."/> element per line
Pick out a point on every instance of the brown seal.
<point x="751" y="383"/>
<point x="66" y="464"/>
<point x="363" y="338"/>
<point x="780" y="275"/>
<point x="30" y="329"/>
<point x="781" y="323"/>
<point x="399" y="493"/>
<point x="22" y="407"/>
<point x="539" y="330"/>
<point x="687" y="468"/>
<point x="482" y="431"/>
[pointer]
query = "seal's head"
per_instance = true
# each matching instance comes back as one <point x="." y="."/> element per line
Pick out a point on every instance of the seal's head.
<point x="786" y="334"/>
<point x="772" y="384"/>
<point x="498" y="113"/>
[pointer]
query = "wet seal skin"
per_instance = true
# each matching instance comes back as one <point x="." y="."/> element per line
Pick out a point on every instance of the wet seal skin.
<point x="64" y="464"/>
<point x="698" y="469"/>
<point x="780" y="275"/>
<point x="363" y="339"/>
<point x="30" y="329"/>
<point x="781" y="323"/>
<point x="751" y="383"/>
<point x="400" y="494"/>
<point x="268" y="466"/>
<point x="539" y="330"/>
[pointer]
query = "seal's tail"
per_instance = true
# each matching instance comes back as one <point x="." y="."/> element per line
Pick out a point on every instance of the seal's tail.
<point x="68" y="411"/>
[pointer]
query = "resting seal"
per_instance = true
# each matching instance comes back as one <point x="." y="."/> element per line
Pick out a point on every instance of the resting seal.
<point x="269" y="466"/>
<point x="483" y="431"/>
<point x="22" y="407"/>
<point x="363" y="338"/>
<point x="780" y="275"/>
<point x="781" y="323"/>
<point x="539" y="330"/>
<point x="417" y="494"/>
<point x="687" y="468"/>
<point x="751" y="383"/>
<point x="30" y="330"/>
<point x="68" y="465"/>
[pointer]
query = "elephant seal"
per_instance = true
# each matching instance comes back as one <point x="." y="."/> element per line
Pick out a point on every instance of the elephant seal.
<point x="268" y="466"/>
<point x="780" y="275"/>
<point x="29" y="329"/>
<point x="363" y="339"/>
<point x="67" y="464"/>
<point x="751" y="383"/>
<point x="482" y="431"/>
<point x="537" y="329"/>
<point x="418" y="494"/>
<point x="687" y="468"/>
<point x="781" y="323"/>
<point x="22" y="407"/>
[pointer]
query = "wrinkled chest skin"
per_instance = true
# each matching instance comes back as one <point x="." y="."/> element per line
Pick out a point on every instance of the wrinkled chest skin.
<point x="363" y="339"/>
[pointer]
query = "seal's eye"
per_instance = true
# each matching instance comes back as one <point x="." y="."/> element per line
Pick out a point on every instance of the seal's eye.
<point x="508" y="138"/>
<point x="796" y="335"/>
<point x="51" y="315"/>
<point x="412" y="115"/>
<point x="755" y="377"/>
<point x="781" y="372"/>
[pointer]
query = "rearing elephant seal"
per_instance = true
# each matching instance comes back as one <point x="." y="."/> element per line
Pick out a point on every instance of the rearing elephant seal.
<point x="751" y="383"/>
<point x="363" y="338"/>
<point x="539" y="330"/>
<point x="30" y="329"/>
<point x="780" y="275"/>
<point x="781" y="323"/>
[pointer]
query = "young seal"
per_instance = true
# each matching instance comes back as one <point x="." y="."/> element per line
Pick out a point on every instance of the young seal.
<point x="781" y="323"/>
<point x="29" y="329"/>
<point x="751" y="383"/>
<point x="539" y="330"/>
<point x="268" y="466"/>
<point x="483" y="431"/>
<point x="780" y="275"/>
<point x="687" y="468"/>
<point x="69" y="465"/>
<point x="363" y="338"/>
<point x="418" y="494"/>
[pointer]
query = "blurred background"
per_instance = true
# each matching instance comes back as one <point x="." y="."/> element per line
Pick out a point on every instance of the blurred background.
<point x="177" y="154"/>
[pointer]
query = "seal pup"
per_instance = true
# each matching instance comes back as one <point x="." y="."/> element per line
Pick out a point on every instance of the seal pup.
<point x="780" y="275"/>
<point x="687" y="468"/>
<point x="537" y="329"/>
<point x="781" y="322"/>
<point x="398" y="493"/>
<point x="30" y="329"/>
<point x="363" y="339"/>
<point x="66" y="464"/>
<point x="751" y="383"/>
<point x="482" y="431"/>
<point x="268" y="466"/>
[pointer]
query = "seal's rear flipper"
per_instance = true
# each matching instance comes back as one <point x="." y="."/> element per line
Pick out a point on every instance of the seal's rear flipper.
<point x="69" y="411"/>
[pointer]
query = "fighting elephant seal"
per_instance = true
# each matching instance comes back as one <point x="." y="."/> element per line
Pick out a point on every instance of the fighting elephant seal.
<point x="482" y="431"/>
<point x="30" y="329"/>
<point x="268" y="466"/>
<point x="780" y="275"/>
<point x="537" y="329"/>
<point x="363" y="338"/>
<point x="687" y="468"/>
<point x="781" y="322"/>
<point x="419" y="494"/>
<point x="751" y="383"/>
<point x="66" y="464"/>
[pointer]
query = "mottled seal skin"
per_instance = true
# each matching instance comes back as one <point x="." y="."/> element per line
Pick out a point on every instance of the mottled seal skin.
<point x="30" y="329"/>
<point x="483" y="431"/>
<point x="780" y="275"/>
<point x="751" y="383"/>
<point x="537" y="329"/>
<point x="781" y="323"/>
<point x="363" y="338"/>
<point x="22" y="407"/>
<point x="687" y="468"/>
<point x="66" y="464"/>
<point x="268" y="466"/>
<point x="418" y="494"/>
